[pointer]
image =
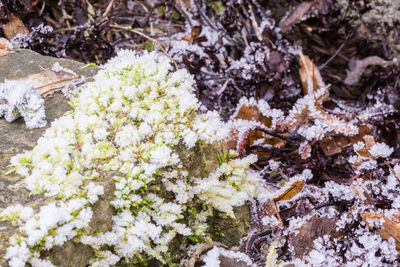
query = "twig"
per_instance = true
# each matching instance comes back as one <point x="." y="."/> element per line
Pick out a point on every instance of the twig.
<point x="149" y="38"/>
<point x="332" y="57"/>
<point x="196" y="254"/>
<point x="243" y="139"/>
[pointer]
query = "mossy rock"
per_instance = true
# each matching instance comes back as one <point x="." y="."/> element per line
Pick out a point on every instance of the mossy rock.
<point x="200" y="161"/>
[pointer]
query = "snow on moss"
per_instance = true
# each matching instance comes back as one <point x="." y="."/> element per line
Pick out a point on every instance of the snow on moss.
<point x="128" y="122"/>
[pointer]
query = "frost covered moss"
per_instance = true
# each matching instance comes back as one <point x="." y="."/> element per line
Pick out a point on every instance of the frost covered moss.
<point x="131" y="125"/>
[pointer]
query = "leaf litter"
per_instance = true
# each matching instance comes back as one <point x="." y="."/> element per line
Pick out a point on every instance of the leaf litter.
<point x="327" y="138"/>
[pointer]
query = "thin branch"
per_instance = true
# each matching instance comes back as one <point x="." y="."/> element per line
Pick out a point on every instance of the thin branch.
<point x="108" y="9"/>
<point x="333" y="56"/>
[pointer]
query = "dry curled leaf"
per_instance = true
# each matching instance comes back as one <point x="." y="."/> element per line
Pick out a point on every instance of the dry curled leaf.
<point x="334" y="145"/>
<point x="296" y="15"/>
<point x="291" y="191"/>
<point x="48" y="81"/>
<point x="315" y="227"/>
<point x="14" y="27"/>
<point x="252" y="113"/>
<point x="311" y="79"/>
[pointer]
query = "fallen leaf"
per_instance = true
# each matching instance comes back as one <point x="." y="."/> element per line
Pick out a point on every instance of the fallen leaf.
<point x="291" y="191"/>
<point x="252" y="113"/>
<point x="14" y="27"/>
<point x="363" y="196"/>
<point x="252" y="136"/>
<point x="296" y="15"/>
<point x="305" y="151"/>
<point x="196" y="30"/>
<point x="332" y="145"/>
<point x="389" y="228"/>
<point x="48" y="81"/>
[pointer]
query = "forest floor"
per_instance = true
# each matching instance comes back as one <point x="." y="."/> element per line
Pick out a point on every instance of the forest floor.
<point x="312" y="85"/>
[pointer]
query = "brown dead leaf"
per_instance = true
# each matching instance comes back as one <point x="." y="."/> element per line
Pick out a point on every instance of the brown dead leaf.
<point x="389" y="229"/>
<point x="264" y="209"/>
<point x="332" y="145"/>
<point x="362" y="195"/>
<point x="296" y="15"/>
<point x="305" y="152"/>
<point x="369" y="141"/>
<point x="290" y="192"/>
<point x="48" y="81"/>
<point x="14" y="27"/>
<point x="362" y="131"/>
<point x="196" y="30"/>
<point x="252" y="113"/>
<point x="311" y="79"/>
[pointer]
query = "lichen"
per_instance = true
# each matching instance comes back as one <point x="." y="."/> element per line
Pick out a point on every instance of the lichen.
<point x="129" y="125"/>
<point x="375" y="20"/>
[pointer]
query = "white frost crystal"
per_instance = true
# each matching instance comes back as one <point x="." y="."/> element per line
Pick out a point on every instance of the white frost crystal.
<point x="18" y="98"/>
<point x="380" y="150"/>
<point x="128" y="123"/>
